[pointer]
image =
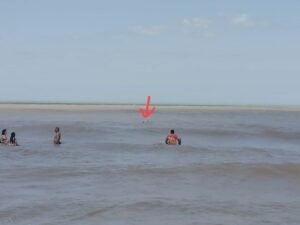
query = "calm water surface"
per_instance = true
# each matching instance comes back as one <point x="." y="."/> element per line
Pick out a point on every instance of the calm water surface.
<point x="234" y="167"/>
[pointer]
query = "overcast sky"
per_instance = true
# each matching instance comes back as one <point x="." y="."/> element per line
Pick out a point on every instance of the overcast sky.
<point x="184" y="52"/>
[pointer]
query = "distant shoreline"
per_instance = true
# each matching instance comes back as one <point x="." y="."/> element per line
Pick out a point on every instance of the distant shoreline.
<point x="95" y="106"/>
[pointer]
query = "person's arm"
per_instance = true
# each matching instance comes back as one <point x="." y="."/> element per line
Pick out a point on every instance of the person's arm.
<point x="179" y="141"/>
<point x="166" y="141"/>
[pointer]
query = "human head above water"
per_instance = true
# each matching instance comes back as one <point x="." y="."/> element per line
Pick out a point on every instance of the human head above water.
<point x="4" y="132"/>
<point x="172" y="131"/>
<point x="56" y="129"/>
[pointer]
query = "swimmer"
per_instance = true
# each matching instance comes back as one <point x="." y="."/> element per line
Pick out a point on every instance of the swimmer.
<point x="13" y="140"/>
<point x="172" y="138"/>
<point x="4" y="138"/>
<point x="57" y="136"/>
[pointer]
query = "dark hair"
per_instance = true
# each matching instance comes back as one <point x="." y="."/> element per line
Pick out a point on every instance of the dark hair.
<point x="3" y="131"/>
<point x="172" y="131"/>
<point x="56" y="129"/>
<point x="13" y="138"/>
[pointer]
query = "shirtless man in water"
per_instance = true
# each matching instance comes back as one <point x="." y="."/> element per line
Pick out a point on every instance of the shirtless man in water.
<point x="57" y="136"/>
<point x="172" y="138"/>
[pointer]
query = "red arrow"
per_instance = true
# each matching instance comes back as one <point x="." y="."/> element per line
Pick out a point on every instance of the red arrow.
<point x="146" y="113"/>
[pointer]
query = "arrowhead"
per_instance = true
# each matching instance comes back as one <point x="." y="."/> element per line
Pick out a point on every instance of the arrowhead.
<point x="146" y="113"/>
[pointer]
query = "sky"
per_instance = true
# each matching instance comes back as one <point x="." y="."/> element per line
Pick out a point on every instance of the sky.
<point x="178" y="52"/>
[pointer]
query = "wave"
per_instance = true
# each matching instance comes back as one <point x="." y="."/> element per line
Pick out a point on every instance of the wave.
<point x="156" y="208"/>
<point x="225" y="169"/>
<point x="245" y="171"/>
<point x="279" y="134"/>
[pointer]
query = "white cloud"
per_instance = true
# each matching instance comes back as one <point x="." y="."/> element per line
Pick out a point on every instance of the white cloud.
<point x="197" y="27"/>
<point x="243" y="20"/>
<point x="193" y="27"/>
<point x="148" y="31"/>
<point x="197" y="23"/>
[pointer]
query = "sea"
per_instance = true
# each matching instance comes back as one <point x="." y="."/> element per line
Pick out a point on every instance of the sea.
<point x="236" y="166"/>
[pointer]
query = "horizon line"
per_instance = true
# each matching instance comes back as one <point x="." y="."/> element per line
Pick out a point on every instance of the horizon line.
<point x="158" y="104"/>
